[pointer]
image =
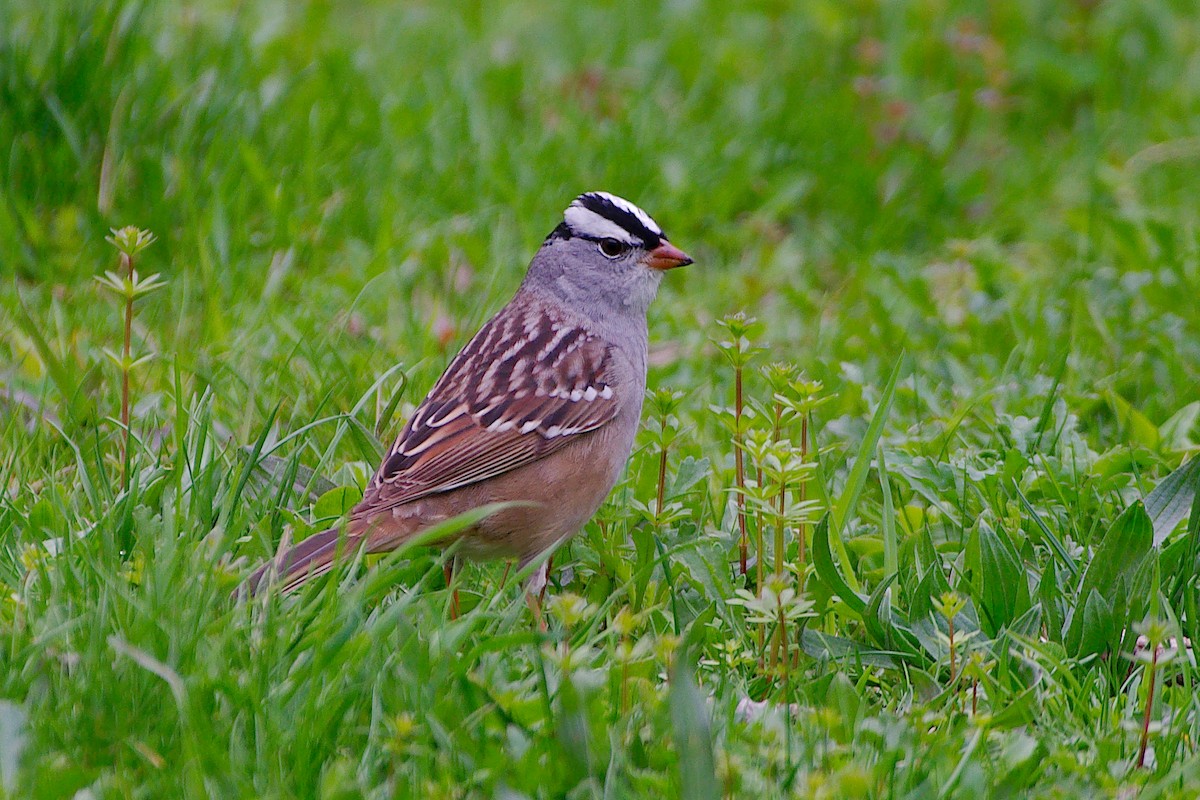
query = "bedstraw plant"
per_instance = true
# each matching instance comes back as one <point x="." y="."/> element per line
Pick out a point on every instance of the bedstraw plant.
<point x="128" y="286"/>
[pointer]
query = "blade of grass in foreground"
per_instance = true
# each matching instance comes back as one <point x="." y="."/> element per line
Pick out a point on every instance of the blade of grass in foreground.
<point x="891" y="559"/>
<point x="858" y="474"/>
<point x="693" y="738"/>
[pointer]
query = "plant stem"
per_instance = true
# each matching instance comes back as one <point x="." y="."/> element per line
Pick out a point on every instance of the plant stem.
<point x="781" y="500"/>
<point x="126" y="440"/>
<point x="740" y="468"/>
<point x="782" y="643"/>
<point x="625" y="678"/>
<point x="802" y="532"/>
<point x="1141" y="762"/>
<point x="950" y="622"/>
<point x="779" y="640"/>
<point x="759" y="576"/>
<point x="662" y="472"/>
<point x="779" y="645"/>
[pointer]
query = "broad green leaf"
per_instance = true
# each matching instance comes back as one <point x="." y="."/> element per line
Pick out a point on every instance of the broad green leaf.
<point x="845" y="651"/>
<point x="369" y="446"/>
<point x="1169" y="502"/>
<point x="1176" y="432"/>
<point x="883" y="625"/>
<point x="1096" y="628"/>
<point x="1028" y="624"/>
<point x="877" y="614"/>
<point x="1003" y="589"/>
<point x="933" y="584"/>
<point x="1050" y="598"/>
<point x="336" y="502"/>
<point x="1115" y="576"/>
<point x="689" y="472"/>
<point x="828" y="572"/>
<point x="1137" y="427"/>
<point x="842" y="697"/>
<point x="1018" y="710"/>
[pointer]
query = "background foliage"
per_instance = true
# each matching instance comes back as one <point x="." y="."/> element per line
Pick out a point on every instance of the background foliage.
<point x="997" y="200"/>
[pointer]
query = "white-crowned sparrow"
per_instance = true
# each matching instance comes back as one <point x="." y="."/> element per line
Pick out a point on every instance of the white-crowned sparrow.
<point x="539" y="409"/>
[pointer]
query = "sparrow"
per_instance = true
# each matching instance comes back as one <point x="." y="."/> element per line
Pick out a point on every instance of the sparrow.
<point x="538" y="411"/>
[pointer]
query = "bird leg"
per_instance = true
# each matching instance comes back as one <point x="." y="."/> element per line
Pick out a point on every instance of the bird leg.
<point x="535" y="606"/>
<point x="448" y="570"/>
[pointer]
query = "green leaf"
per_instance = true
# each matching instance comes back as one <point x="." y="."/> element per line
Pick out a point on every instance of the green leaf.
<point x="1028" y="624"/>
<point x="1003" y="588"/>
<point x="369" y="447"/>
<point x="842" y="697"/>
<point x="1175" y="433"/>
<point x="877" y="614"/>
<point x="883" y="625"/>
<point x="932" y="585"/>
<point x="1019" y="710"/>
<point x="689" y="472"/>
<point x="1136" y="426"/>
<point x="1096" y="625"/>
<point x="335" y="503"/>
<point x="385" y="416"/>
<point x="693" y="737"/>
<point x="845" y="505"/>
<point x="828" y="572"/>
<point x="1115" y="577"/>
<point x="1050" y="598"/>
<point x="1169" y="502"/>
<point x="845" y="651"/>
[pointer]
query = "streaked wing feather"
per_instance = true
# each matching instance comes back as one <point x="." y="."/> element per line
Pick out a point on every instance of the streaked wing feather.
<point x="528" y="383"/>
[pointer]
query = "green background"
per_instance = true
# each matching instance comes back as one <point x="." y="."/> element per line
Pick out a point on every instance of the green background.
<point x="999" y="197"/>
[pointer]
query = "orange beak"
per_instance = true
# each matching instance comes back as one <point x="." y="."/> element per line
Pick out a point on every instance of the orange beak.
<point x="667" y="256"/>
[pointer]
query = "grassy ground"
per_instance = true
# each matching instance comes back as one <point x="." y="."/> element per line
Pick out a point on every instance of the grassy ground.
<point x="998" y="201"/>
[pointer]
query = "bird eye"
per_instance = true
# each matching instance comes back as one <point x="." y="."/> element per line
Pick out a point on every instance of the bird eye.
<point x="611" y="248"/>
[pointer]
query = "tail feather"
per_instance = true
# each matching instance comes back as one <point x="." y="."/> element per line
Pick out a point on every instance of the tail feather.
<point x="312" y="557"/>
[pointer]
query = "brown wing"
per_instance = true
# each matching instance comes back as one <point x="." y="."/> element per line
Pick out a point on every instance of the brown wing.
<point x="527" y="384"/>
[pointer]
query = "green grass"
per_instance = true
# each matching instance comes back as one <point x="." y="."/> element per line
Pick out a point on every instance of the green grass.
<point x="998" y="198"/>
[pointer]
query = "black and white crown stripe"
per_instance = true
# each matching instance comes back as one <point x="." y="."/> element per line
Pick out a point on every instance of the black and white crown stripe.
<point x="600" y="215"/>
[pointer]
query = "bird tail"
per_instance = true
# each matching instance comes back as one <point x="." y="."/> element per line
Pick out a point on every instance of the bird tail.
<point x="311" y="558"/>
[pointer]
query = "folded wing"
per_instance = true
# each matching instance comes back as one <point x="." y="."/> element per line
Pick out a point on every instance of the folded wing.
<point x="528" y="383"/>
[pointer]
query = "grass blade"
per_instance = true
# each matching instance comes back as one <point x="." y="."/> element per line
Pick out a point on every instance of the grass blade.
<point x="857" y="479"/>
<point x="693" y="737"/>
